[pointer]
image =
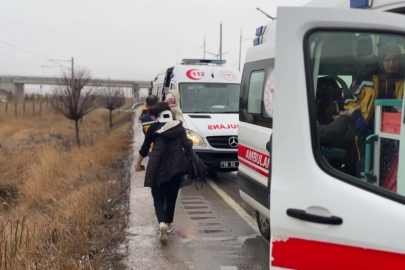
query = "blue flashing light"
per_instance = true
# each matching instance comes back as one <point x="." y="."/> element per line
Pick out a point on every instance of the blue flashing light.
<point x="256" y="41"/>
<point x="259" y="31"/>
<point x="360" y="3"/>
<point x="218" y="62"/>
<point x="203" y="61"/>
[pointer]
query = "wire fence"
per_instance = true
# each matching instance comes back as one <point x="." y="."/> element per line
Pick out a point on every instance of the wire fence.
<point x="34" y="107"/>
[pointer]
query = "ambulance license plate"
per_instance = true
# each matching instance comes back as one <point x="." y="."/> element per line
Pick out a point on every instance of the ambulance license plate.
<point x="229" y="164"/>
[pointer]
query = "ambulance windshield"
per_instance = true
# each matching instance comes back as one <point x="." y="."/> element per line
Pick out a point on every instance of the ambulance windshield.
<point x="209" y="97"/>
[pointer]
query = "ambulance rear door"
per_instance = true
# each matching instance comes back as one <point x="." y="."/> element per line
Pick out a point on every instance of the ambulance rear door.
<point x="321" y="216"/>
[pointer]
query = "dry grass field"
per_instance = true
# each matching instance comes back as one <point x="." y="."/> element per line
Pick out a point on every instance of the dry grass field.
<point x="62" y="207"/>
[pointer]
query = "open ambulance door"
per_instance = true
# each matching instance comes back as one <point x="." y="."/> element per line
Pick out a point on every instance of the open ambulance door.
<point x="322" y="216"/>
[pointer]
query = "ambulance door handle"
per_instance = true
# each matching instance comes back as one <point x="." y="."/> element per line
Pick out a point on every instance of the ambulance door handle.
<point x="302" y="215"/>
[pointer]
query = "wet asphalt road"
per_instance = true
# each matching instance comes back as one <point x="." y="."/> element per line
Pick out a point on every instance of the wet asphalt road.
<point x="208" y="232"/>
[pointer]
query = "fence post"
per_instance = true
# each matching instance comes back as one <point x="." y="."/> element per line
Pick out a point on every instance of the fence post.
<point x="33" y="107"/>
<point x="40" y="105"/>
<point x="15" y="108"/>
<point x="24" y="108"/>
<point x="6" y="109"/>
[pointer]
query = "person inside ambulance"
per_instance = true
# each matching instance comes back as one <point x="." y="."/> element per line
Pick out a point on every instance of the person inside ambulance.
<point x="329" y="100"/>
<point x="388" y="83"/>
<point x="333" y="126"/>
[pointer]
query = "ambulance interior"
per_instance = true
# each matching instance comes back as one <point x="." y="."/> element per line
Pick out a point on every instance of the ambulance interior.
<point x="339" y="62"/>
<point x="166" y="83"/>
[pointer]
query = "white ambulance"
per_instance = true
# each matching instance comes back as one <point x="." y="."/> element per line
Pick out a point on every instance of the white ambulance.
<point x="323" y="217"/>
<point x="209" y="98"/>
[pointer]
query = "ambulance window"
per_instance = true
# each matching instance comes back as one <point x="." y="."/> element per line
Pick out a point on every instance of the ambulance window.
<point x="355" y="106"/>
<point x="256" y="103"/>
<point x="255" y="92"/>
<point x="172" y="86"/>
<point x="348" y="80"/>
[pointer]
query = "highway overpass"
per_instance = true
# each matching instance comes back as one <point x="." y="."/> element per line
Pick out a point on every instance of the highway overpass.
<point x="15" y="84"/>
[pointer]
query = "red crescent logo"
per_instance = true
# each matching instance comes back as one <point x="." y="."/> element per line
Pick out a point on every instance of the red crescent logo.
<point x="195" y="74"/>
<point x="228" y="75"/>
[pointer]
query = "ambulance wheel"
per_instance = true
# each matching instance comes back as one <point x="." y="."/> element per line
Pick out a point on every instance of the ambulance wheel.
<point x="264" y="225"/>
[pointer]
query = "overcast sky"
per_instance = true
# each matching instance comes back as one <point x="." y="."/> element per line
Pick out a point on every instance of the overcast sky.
<point x="123" y="39"/>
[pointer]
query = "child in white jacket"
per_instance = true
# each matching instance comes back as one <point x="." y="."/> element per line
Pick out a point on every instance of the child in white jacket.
<point x="173" y="99"/>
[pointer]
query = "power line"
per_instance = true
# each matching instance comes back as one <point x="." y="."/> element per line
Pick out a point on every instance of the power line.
<point x="31" y="52"/>
<point x="29" y="62"/>
<point x="7" y="48"/>
<point x="59" y="64"/>
<point x="37" y="54"/>
<point x="25" y="50"/>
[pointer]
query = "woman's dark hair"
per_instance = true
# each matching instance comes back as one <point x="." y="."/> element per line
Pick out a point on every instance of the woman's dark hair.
<point x="151" y="100"/>
<point x="159" y="108"/>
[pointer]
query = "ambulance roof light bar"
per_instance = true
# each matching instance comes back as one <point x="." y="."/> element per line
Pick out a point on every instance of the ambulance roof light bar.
<point x="361" y="3"/>
<point x="259" y="33"/>
<point x="202" y="62"/>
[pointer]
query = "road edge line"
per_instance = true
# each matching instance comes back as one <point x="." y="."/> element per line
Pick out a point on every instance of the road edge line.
<point x="235" y="206"/>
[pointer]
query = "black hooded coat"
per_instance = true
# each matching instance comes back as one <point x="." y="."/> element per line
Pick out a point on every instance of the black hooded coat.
<point x="167" y="158"/>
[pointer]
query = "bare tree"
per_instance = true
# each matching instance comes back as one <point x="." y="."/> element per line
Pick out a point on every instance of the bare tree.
<point x="113" y="98"/>
<point x="73" y="100"/>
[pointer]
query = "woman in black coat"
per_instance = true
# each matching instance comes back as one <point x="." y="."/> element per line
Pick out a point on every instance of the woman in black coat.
<point x="166" y="165"/>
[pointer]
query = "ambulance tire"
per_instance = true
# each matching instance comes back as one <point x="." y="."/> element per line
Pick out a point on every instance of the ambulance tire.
<point x="264" y="225"/>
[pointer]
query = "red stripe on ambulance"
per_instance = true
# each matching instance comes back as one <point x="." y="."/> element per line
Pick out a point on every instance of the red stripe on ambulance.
<point x="266" y="174"/>
<point x="253" y="157"/>
<point x="313" y="255"/>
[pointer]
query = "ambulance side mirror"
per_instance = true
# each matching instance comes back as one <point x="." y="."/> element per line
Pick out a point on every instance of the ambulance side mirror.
<point x="268" y="144"/>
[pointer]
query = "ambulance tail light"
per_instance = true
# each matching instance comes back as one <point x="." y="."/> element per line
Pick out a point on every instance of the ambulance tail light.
<point x="361" y="3"/>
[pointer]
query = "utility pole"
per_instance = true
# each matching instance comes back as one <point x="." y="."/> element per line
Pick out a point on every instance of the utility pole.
<point x="40" y="100"/>
<point x="204" y="48"/>
<point x="240" y="47"/>
<point x="220" y="41"/>
<point x="73" y="76"/>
